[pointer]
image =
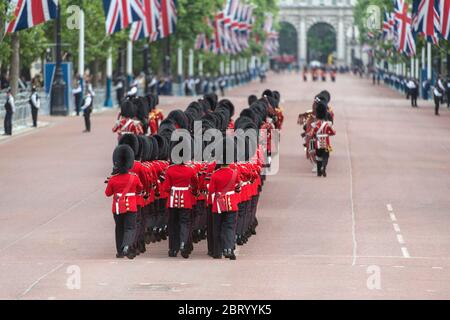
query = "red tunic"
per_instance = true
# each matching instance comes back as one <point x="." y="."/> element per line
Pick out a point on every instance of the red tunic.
<point x="127" y="126"/>
<point x="124" y="188"/>
<point x="222" y="189"/>
<point x="181" y="184"/>
<point x="280" y="118"/>
<point x="322" y="130"/>
<point x="154" y="118"/>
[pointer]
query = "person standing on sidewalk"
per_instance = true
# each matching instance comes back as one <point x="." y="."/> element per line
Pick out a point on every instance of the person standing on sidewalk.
<point x="87" y="108"/>
<point x="78" y="95"/>
<point x="10" y="108"/>
<point x="438" y="94"/>
<point x="35" y="103"/>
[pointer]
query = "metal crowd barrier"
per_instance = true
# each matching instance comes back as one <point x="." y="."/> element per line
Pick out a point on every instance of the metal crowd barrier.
<point x="22" y="116"/>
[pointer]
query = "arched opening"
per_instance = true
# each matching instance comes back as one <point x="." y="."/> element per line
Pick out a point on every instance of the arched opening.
<point x="321" y="42"/>
<point x="288" y="40"/>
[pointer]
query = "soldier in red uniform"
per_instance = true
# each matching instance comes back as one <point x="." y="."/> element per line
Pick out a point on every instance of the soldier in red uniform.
<point x="181" y="183"/>
<point x="156" y="115"/>
<point x="223" y="189"/>
<point x="322" y="129"/>
<point x="124" y="186"/>
<point x="126" y="123"/>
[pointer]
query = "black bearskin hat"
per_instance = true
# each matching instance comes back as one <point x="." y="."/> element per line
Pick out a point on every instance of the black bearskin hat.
<point x="212" y="99"/>
<point x="252" y="99"/>
<point x="179" y="118"/>
<point x="267" y="93"/>
<point x="127" y="109"/>
<point x="228" y="105"/>
<point x="146" y="148"/>
<point x="326" y="95"/>
<point x="132" y="141"/>
<point x="277" y="97"/>
<point x="249" y="114"/>
<point x="321" y="110"/>
<point x="162" y="147"/>
<point x="123" y="159"/>
<point x="155" y="148"/>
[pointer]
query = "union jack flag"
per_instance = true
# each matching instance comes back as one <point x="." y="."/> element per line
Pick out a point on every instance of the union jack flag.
<point x="147" y="28"/>
<point x="168" y="18"/>
<point x="29" y="13"/>
<point x="388" y="26"/>
<point x="121" y="13"/>
<point x="404" y="42"/>
<point x="426" y="19"/>
<point x="444" y="14"/>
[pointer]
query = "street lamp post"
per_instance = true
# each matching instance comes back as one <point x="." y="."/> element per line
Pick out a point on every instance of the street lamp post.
<point x="146" y="69"/>
<point x="57" y="102"/>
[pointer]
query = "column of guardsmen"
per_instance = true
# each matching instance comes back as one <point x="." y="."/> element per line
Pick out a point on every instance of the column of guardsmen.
<point x="186" y="201"/>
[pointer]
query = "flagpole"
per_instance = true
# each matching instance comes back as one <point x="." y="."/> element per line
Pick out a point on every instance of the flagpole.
<point x="129" y="62"/>
<point x="191" y="63"/>
<point x="146" y="68"/>
<point x="180" y="66"/>
<point x="57" y="102"/>
<point x="429" y="71"/>
<point x="81" y="47"/>
<point x="109" y="75"/>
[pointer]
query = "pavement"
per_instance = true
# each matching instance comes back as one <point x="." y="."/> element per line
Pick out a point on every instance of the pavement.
<point x="376" y="228"/>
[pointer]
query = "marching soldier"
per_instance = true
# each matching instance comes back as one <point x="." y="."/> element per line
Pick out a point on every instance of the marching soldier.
<point x="181" y="184"/>
<point x="35" y="104"/>
<point x="124" y="186"/>
<point x="10" y="108"/>
<point x="322" y="129"/>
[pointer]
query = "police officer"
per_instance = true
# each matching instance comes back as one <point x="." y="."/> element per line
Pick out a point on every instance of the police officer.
<point x="78" y="94"/>
<point x="10" y="108"/>
<point x="35" y="103"/>
<point x="87" y="108"/>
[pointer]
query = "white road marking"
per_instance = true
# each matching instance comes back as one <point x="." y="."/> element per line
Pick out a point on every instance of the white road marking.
<point x="398" y="267"/>
<point x="396" y="227"/>
<point x="352" y="203"/>
<point x="405" y="253"/>
<point x="400" y="239"/>
<point x="41" y="278"/>
<point x="389" y="207"/>
<point x="393" y="217"/>
<point x="437" y="268"/>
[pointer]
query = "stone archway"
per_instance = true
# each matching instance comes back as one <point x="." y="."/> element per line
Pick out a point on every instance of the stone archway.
<point x="303" y="14"/>
<point x="321" y="43"/>
<point x="288" y="39"/>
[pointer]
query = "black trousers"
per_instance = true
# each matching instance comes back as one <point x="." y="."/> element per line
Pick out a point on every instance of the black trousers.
<point x="437" y="104"/>
<point x="8" y="123"/>
<point x="125" y="230"/>
<point x="242" y="214"/>
<point x="87" y="120"/>
<point x="414" y="99"/>
<point x="210" y="229"/>
<point x="224" y="225"/>
<point x="180" y="221"/>
<point x="448" y="98"/>
<point x="322" y="157"/>
<point x="78" y="102"/>
<point x="34" y="115"/>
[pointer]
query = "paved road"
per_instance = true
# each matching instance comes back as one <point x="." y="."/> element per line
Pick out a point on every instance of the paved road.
<point x="384" y="210"/>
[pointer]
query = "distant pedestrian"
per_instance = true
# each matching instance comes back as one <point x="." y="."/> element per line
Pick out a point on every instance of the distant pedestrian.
<point x="413" y="90"/>
<point x="35" y="104"/>
<point x="78" y="95"/>
<point x="438" y="94"/>
<point x="10" y="108"/>
<point x="87" y="108"/>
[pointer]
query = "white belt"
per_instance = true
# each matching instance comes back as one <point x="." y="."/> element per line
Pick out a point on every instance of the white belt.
<point x="227" y="194"/>
<point x="172" y="200"/>
<point x="120" y="195"/>
<point x="180" y="188"/>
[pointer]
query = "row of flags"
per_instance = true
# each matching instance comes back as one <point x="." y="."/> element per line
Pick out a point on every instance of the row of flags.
<point x="153" y="19"/>
<point x="232" y="28"/>
<point x="271" y="44"/>
<point x="147" y="19"/>
<point x="428" y="18"/>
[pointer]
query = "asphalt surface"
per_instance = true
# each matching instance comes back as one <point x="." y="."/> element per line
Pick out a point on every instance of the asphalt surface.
<point x="376" y="228"/>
